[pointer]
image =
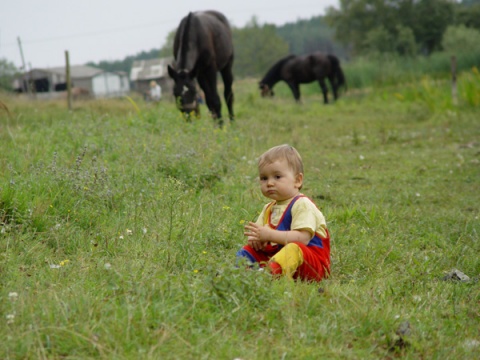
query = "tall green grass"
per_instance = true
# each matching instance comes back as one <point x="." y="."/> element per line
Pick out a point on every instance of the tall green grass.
<point x="391" y="70"/>
<point x="119" y="226"/>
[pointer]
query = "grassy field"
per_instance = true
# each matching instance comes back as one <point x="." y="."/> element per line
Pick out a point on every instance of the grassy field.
<point x="119" y="224"/>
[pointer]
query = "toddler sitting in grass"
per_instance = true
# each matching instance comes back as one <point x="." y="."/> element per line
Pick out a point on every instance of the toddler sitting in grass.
<point x="290" y="236"/>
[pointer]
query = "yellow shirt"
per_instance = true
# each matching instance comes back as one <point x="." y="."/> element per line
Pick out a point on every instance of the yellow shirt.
<point x="305" y="216"/>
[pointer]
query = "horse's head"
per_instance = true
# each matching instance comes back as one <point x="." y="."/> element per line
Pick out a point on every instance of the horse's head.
<point x="184" y="90"/>
<point x="265" y="90"/>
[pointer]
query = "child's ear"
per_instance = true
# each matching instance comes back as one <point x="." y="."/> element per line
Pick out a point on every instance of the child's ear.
<point x="299" y="180"/>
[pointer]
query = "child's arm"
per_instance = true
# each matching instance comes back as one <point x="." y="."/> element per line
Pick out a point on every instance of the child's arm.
<point x="255" y="232"/>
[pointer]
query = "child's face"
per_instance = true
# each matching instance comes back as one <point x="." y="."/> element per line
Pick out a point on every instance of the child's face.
<point x="278" y="181"/>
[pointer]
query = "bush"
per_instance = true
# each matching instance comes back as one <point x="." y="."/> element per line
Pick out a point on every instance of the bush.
<point x="460" y="39"/>
<point x="7" y="72"/>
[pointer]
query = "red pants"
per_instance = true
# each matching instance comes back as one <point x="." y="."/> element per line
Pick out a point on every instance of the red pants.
<point x="315" y="267"/>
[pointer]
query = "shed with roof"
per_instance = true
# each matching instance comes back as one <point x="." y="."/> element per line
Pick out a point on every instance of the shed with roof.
<point x="145" y="71"/>
<point x="98" y="83"/>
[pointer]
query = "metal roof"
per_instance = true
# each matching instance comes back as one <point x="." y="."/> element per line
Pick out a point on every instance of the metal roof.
<point x="149" y="69"/>
<point x="76" y="71"/>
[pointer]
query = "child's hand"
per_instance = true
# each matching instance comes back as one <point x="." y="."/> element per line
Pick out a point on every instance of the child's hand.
<point x="256" y="232"/>
<point x="257" y="245"/>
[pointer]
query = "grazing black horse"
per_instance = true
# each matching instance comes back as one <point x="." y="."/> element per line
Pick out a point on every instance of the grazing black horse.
<point x="202" y="47"/>
<point x="295" y="70"/>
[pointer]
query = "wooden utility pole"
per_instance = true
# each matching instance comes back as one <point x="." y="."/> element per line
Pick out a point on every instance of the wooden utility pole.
<point x="67" y="78"/>
<point x="453" y="62"/>
<point x="24" y="66"/>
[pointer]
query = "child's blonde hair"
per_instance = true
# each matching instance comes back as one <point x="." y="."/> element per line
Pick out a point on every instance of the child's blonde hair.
<point x="282" y="152"/>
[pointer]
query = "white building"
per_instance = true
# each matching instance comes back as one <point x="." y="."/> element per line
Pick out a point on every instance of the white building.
<point x="87" y="80"/>
<point x="145" y="71"/>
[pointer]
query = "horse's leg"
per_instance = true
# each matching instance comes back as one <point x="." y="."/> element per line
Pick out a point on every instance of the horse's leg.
<point x="295" y="90"/>
<point x="334" y="84"/>
<point x="228" y="92"/>
<point x="324" y="90"/>
<point x="208" y="83"/>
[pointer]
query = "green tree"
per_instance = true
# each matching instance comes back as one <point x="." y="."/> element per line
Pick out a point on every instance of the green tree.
<point x="460" y="39"/>
<point x="126" y="64"/>
<point x="469" y="2"/>
<point x="379" y="40"/>
<point x="307" y="36"/>
<point x="431" y="19"/>
<point x="167" y="49"/>
<point x="468" y="15"/>
<point x="7" y="73"/>
<point x="362" y="23"/>
<point x="405" y="41"/>
<point x="356" y="18"/>
<point x="256" y="48"/>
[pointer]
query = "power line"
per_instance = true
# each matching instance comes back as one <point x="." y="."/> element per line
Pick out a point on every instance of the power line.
<point x="174" y="22"/>
<point x="87" y="34"/>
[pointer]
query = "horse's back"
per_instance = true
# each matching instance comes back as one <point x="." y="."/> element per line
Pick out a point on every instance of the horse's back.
<point x="218" y="33"/>
<point x="210" y="33"/>
<point x="319" y="64"/>
<point x="217" y="15"/>
<point x="300" y="69"/>
<point x="306" y="68"/>
<point x="319" y="59"/>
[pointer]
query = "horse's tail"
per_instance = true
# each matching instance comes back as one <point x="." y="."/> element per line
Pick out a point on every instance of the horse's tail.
<point x="337" y="70"/>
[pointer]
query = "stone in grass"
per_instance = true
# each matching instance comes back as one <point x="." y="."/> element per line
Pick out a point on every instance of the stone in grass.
<point x="456" y="275"/>
<point x="403" y="331"/>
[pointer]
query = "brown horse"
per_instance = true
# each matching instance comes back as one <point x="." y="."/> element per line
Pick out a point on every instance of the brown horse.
<point x="296" y="70"/>
<point x="202" y="47"/>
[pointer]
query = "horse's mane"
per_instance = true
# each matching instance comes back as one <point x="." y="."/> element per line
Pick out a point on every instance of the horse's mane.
<point x="273" y="75"/>
<point x="184" y="45"/>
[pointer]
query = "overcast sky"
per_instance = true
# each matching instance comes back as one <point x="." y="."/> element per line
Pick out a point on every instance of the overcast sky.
<point x="111" y="30"/>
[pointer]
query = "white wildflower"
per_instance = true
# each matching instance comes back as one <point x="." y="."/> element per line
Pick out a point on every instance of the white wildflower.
<point x="361" y="157"/>
<point x="54" y="266"/>
<point x="107" y="266"/>
<point x="471" y="343"/>
<point x="121" y="237"/>
<point x="144" y="230"/>
<point x="129" y="232"/>
<point x="10" y="318"/>
<point x="13" y="296"/>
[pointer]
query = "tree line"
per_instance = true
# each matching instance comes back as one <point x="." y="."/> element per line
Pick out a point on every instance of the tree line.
<point x="404" y="27"/>
<point x="357" y="28"/>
